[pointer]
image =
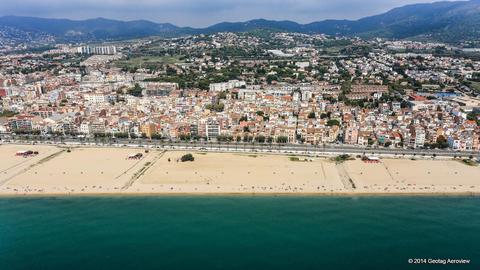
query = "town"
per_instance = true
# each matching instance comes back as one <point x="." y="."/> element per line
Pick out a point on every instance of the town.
<point x="260" y="87"/>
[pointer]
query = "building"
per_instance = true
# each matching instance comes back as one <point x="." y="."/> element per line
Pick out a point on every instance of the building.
<point x="103" y="50"/>
<point x="97" y="98"/>
<point x="212" y="130"/>
<point x="98" y="127"/>
<point x="158" y="89"/>
<point x="396" y="106"/>
<point x="194" y="130"/>
<point x="225" y="86"/>
<point x="21" y="122"/>
<point x="148" y="129"/>
<point x="364" y="91"/>
<point x="84" y="128"/>
<point x="351" y="134"/>
<point x="418" y="137"/>
<point x="302" y="65"/>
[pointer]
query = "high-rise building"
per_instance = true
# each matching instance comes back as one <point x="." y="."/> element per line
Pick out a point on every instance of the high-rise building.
<point x="102" y="50"/>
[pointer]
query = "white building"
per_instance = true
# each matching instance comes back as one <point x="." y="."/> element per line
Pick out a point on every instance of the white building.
<point x="85" y="128"/>
<point x="419" y="136"/>
<point x="212" y="130"/>
<point x="103" y="50"/>
<point x="97" y="98"/>
<point x="220" y="87"/>
<point x="302" y="65"/>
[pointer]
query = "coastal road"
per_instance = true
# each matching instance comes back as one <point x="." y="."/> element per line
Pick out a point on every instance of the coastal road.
<point x="298" y="149"/>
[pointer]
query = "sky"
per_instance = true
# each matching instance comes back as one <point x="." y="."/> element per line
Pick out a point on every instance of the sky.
<point x="201" y="13"/>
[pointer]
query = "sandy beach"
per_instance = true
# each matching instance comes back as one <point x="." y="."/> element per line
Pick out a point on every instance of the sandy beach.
<point x="12" y="165"/>
<point x="77" y="171"/>
<point x="240" y="173"/>
<point x="414" y="176"/>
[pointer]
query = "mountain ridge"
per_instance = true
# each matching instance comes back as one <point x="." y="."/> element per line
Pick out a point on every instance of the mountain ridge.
<point x="444" y="21"/>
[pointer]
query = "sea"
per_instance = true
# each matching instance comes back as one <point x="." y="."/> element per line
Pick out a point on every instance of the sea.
<point x="240" y="232"/>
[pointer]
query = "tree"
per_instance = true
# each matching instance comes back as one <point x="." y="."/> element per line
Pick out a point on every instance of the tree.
<point x="121" y="135"/>
<point x="342" y="158"/>
<point x="7" y="113"/>
<point x="282" y="139"/>
<point x="311" y="115"/>
<point x="157" y="136"/>
<point x="136" y="91"/>
<point x="474" y="116"/>
<point x="271" y="78"/>
<point x="216" y="107"/>
<point x="204" y="84"/>
<point x="370" y="141"/>
<point x="171" y="71"/>
<point x="442" y="142"/>
<point x="184" y="137"/>
<point x="222" y="95"/>
<point x="187" y="157"/>
<point x="243" y="118"/>
<point x="261" y="139"/>
<point x="333" y="122"/>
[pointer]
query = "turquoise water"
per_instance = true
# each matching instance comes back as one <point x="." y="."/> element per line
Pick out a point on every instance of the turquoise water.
<point x="237" y="232"/>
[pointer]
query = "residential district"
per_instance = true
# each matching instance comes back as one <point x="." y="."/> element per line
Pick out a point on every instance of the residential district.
<point x="246" y="87"/>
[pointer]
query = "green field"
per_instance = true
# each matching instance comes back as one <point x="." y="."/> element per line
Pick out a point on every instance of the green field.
<point x="475" y="86"/>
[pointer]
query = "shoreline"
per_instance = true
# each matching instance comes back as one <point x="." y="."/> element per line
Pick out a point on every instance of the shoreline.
<point x="239" y="194"/>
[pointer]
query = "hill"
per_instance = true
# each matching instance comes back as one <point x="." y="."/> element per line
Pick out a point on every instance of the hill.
<point x="92" y="29"/>
<point x="442" y="21"/>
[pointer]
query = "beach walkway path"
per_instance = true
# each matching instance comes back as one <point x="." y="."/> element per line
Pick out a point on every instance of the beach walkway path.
<point x="142" y="171"/>
<point x="43" y="160"/>
<point x="344" y="177"/>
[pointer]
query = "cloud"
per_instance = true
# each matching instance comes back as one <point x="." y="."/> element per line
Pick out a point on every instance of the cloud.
<point x="200" y="13"/>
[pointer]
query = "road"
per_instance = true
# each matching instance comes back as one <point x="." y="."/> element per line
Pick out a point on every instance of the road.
<point x="299" y="149"/>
